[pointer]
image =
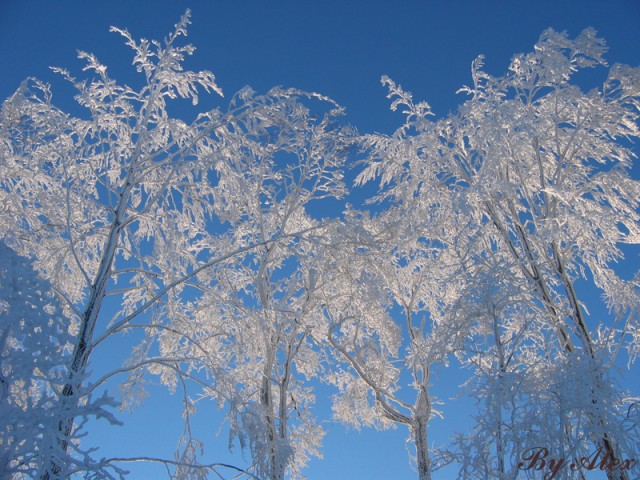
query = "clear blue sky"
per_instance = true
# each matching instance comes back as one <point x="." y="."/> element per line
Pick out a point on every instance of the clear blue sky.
<point x="340" y="49"/>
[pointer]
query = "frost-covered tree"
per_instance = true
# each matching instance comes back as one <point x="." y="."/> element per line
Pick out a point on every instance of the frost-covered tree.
<point x="504" y="348"/>
<point x="34" y="348"/>
<point x="387" y="291"/>
<point x="263" y="360"/>
<point x="253" y="318"/>
<point x="124" y="204"/>
<point x="32" y="352"/>
<point x="541" y="167"/>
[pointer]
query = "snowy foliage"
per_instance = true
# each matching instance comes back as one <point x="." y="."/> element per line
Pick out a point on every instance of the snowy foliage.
<point x="251" y="324"/>
<point x="129" y="204"/>
<point x="33" y="354"/>
<point x="538" y="172"/>
<point x="387" y="291"/>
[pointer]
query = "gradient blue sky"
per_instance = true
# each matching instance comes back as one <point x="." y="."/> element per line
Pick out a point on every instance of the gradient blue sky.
<point x="340" y="49"/>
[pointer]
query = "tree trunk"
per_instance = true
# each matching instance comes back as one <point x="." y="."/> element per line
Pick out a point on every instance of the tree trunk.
<point x="82" y="350"/>
<point x="275" y="465"/>
<point x="419" y="430"/>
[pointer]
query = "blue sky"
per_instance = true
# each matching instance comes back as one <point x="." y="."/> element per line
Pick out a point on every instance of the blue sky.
<point x="337" y="48"/>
